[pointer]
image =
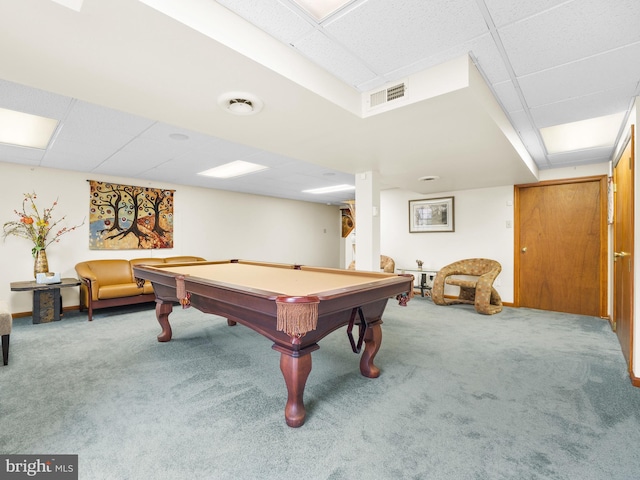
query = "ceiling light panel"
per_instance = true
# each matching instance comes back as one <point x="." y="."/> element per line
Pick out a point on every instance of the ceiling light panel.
<point x="333" y="188"/>
<point x="233" y="169"/>
<point x="592" y="133"/>
<point x="72" y="4"/>
<point x="26" y="130"/>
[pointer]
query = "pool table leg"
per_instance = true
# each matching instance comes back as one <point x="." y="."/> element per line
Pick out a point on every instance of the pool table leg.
<point x="295" y="371"/>
<point x="372" y="342"/>
<point x="162" y="314"/>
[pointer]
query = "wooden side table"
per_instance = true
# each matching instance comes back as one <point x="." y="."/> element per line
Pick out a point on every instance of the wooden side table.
<point x="423" y="278"/>
<point x="47" y="303"/>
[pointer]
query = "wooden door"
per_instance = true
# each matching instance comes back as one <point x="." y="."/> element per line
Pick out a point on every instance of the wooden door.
<point x="561" y="246"/>
<point x="623" y="250"/>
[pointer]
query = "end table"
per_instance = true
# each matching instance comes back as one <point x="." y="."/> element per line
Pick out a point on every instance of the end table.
<point x="47" y="303"/>
<point x="423" y="279"/>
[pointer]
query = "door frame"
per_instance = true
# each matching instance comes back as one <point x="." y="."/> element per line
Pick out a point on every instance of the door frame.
<point x="604" y="236"/>
<point x="628" y="142"/>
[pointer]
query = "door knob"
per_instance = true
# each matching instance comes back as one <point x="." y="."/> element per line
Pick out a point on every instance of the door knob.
<point x="621" y="254"/>
<point x="524" y="249"/>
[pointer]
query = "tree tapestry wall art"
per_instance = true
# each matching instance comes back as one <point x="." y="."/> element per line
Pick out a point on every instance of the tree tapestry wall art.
<point x="123" y="217"/>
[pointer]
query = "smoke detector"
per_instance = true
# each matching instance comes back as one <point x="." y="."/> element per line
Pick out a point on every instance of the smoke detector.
<point x="240" y="103"/>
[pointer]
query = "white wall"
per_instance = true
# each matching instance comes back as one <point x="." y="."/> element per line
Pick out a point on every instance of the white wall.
<point x="481" y="227"/>
<point x="481" y="230"/>
<point x="216" y="224"/>
<point x="570" y="172"/>
<point x="213" y="224"/>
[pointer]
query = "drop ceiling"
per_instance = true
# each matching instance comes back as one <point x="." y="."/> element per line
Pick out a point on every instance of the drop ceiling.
<point x="129" y="80"/>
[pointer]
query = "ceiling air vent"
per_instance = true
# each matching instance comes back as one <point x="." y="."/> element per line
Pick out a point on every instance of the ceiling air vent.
<point x="386" y="95"/>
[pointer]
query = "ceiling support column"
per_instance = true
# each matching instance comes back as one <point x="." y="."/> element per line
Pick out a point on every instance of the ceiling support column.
<point x="368" y="221"/>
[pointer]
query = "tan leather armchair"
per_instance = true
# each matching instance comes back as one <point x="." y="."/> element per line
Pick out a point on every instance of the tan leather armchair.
<point x="478" y="291"/>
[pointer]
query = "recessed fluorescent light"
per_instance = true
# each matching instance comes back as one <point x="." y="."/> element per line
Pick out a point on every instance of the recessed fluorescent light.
<point x="592" y="133"/>
<point x="233" y="169"/>
<point x="72" y="4"/>
<point x="335" y="188"/>
<point x="25" y="130"/>
<point x="321" y="9"/>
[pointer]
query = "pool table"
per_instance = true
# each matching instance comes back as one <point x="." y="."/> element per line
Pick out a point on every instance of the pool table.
<point x="294" y="306"/>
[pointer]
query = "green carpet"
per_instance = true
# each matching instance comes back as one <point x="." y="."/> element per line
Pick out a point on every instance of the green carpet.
<point x="524" y="394"/>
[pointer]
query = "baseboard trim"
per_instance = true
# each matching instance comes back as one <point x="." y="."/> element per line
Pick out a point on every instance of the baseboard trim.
<point x="29" y="314"/>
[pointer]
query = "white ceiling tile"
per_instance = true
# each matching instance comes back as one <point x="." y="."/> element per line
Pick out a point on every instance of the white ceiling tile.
<point x="83" y="133"/>
<point x="195" y="161"/>
<point x="520" y="120"/>
<point x="229" y="151"/>
<point x="93" y="117"/>
<point x="162" y="151"/>
<point x="86" y="154"/>
<point x="13" y="154"/>
<point x="367" y="44"/>
<point x="504" y="12"/>
<point x="590" y="75"/>
<point x="127" y="161"/>
<point x="569" y="32"/>
<point x="379" y="81"/>
<point x="78" y="162"/>
<point x="390" y="38"/>
<point x="533" y="144"/>
<point x="161" y="132"/>
<point x="184" y="165"/>
<point x="270" y="159"/>
<point x="271" y="16"/>
<point x="176" y="176"/>
<point x="335" y="59"/>
<point x="33" y="101"/>
<point x="582" y="108"/>
<point x="508" y="96"/>
<point x="582" y="157"/>
<point x="482" y="49"/>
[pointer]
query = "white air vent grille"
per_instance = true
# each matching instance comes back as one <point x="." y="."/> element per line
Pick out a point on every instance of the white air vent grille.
<point x="378" y="98"/>
<point x="386" y="95"/>
<point x="395" y="92"/>
<point x="382" y="100"/>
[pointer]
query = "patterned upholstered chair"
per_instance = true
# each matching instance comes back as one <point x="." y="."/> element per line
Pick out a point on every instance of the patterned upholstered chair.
<point x="476" y="287"/>
<point x="387" y="264"/>
<point x="6" y="320"/>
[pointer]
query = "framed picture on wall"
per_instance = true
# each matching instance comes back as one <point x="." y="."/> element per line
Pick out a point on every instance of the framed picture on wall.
<point x="347" y="222"/>
<point x="431" y="215"/>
